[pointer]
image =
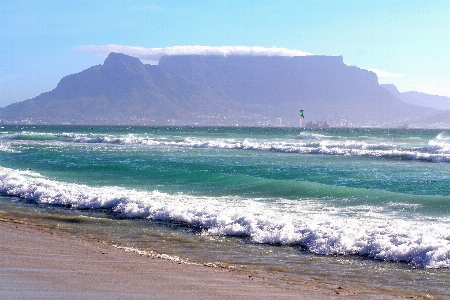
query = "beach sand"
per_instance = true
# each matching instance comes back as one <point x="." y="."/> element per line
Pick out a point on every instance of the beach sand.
<point x="40" y="264"/>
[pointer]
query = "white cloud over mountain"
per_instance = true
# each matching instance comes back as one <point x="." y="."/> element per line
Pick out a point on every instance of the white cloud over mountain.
<point x="152" y="55"/>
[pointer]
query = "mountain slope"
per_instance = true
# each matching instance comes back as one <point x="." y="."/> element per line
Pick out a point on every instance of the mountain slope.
<point x="217" y="90"/>
<point x="422" y="99"/>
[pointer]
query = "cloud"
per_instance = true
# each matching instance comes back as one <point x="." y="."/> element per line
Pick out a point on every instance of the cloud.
<point x="381" y="73"/>
<point x="152" y="55"/>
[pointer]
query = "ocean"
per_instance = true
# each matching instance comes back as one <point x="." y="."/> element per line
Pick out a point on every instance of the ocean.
<point x="364" y="205"/>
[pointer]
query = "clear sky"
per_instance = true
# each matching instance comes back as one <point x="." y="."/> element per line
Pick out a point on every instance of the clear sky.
<point x="406" y="42"/>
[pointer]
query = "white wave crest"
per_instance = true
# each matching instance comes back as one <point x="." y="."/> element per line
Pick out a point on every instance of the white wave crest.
<point x="440" y="144"/>
<point x="437" y="149"/>
<point x="321" y="228"/>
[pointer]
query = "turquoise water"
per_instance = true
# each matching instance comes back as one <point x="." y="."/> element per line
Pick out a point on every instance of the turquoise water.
<point x="339" y="197"/>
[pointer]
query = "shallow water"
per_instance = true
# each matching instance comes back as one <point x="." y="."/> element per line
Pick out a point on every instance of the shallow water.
<point x="178" y="242"/>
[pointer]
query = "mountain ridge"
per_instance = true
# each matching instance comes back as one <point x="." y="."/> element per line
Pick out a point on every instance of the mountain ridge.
<point x="217" y="90"/>
<point x="419" y="98"/>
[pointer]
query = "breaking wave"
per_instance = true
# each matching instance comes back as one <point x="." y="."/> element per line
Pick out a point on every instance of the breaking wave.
<point x="375" y="232"/>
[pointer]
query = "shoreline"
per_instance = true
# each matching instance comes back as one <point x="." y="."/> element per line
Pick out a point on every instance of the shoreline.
<point x="41" y="264"/>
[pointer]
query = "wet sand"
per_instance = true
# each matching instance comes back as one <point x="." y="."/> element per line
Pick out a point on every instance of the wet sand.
<point x="38" y="264"/>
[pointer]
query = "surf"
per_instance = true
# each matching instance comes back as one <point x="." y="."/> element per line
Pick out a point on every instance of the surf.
<point x="323" y="226"/>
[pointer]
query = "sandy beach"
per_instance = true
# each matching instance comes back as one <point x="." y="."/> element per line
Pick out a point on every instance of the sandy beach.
<point x="40" y="264"/>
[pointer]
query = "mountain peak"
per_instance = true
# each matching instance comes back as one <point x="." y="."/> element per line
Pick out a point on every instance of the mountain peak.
<point x="392" y="89"/>
<point x="119" y="58"/>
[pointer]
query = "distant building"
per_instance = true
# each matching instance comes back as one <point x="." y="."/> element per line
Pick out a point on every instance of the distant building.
<point x="318" y="124"/>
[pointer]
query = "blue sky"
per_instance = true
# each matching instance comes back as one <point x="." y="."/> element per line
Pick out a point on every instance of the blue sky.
<point x="406" y="43"/>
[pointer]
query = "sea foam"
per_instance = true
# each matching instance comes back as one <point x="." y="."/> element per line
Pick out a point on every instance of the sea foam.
<point x="376" y="232"/>
<point x="436" y="150"/>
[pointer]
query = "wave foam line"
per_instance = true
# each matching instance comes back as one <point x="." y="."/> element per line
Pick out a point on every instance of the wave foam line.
<point x="321" y="228"/>
<point x="437" y="149"/>
<point x="153" y="254"/>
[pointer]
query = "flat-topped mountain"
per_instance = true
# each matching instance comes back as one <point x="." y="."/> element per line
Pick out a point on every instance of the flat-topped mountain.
<point x="217" y="90"/>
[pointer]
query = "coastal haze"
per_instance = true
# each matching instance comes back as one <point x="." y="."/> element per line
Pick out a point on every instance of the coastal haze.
<point x="228" y="91"/>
